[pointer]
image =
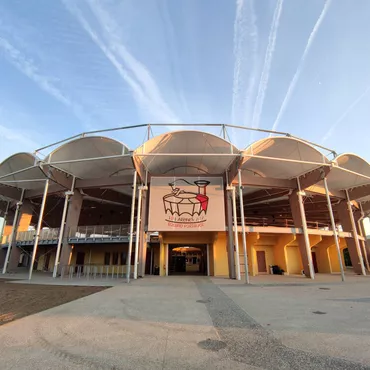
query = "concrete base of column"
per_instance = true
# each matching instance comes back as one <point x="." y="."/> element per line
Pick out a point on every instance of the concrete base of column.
<point x="300" y="222"/>
<point x="2" y="257"/>
<point x="344" y="210"/>
<point x="64" y="258"/>
<point x="355" y="259"/>
<point x="15" y="255"/>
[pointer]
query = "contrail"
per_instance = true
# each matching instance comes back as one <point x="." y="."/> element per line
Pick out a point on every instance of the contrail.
<point x="239" y="35"/>
<point x="28" y="68"/>
<point x="145" y="90"/>
<point x="246" y="61"/>
<point x="267" y="65"/>
<point x="245" y="30"/>
<point x="170" y="41"/>
<point x="301" y="64"/>
<point x="344" y="115"/>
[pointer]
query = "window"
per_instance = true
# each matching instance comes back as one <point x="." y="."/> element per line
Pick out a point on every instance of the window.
<point x="123" y="258"/>
<point x="107" y="258"/>
<point x="115" y="258"/>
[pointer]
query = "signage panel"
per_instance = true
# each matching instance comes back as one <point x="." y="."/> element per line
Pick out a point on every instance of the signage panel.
<point x="186" y="204"/>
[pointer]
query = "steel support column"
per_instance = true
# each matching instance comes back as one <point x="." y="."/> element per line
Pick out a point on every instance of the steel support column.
<point x="143" y="235"/>
<point x="137" y="238"/>
<point x="38" y="230"/>
<point x="128" y="262"/>
<point x="236" y="238"/>
<point x="230" y="238"/>
<point x="334" y="228"/>
<point x="14" y="231"/>
<point x="244" y="237"/>
<point x="208" y="272"/>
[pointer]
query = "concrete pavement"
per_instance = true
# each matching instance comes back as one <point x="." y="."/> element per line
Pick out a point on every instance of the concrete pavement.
<point x="198" y="323"/>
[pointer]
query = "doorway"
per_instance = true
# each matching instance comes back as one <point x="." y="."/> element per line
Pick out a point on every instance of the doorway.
<point x="80" y="260"/>
<point x="314" y="262"/>
<point x="187" y="259"/>
<point x="261" y="262"/>
<point x="47" y="261"/>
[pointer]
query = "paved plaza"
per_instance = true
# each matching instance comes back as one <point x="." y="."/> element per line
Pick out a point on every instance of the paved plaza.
<point x="184" y="322"/>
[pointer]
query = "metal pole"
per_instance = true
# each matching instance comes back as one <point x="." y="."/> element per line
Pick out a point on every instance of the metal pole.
<point x="363" y="234"/>
<point x="208" y="272"/>
<point x="62" y="226"/>
<point x="244" y="238"/>
<point x="13" y="233"/>
<point x="354" y="233"/>
<point x="236" y="242"/>
<point x="305" y="231"/>
<point x="167" y="252"/>
<point x="128" y="263"/>
<point x="333" y="226"/>
<point x="39" y="224"/>
<point x="137" y="239"/>
<point x="230" y="237"/>
<point x="151" y="260"/>
<point x="224" y="132"/>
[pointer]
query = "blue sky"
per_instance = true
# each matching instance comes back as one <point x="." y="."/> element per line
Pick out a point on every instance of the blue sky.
<point x="299" y="66"/>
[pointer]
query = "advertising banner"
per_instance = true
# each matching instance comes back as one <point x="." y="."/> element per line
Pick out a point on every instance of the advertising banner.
<point x="186" y="204"/>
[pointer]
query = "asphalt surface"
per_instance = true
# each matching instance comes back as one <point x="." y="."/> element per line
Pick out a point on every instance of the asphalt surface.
<point x="248" y="342"/>
<point x="198" y="323"/>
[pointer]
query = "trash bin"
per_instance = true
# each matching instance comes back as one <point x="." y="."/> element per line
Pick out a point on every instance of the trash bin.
<point x="156" y="270"/>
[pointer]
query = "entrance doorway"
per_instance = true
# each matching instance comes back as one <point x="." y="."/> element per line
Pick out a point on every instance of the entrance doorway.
<point x="314" y="262"/>
<point x="187" y="259"/>
<point x="80" y="260"/>
<point x="261" y="262"/>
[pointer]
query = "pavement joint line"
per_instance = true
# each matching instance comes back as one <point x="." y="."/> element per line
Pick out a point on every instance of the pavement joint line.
<point x="165" y="350"/>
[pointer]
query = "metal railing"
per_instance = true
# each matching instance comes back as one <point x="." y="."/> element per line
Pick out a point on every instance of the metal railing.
<point x="79" y="232"/>
<point x="99" y="232"/>
<point x="29" y="236"/>
<point x="94" y="271"/>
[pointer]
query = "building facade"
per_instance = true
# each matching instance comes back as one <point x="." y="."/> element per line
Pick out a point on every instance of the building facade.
<point x="184" y="202"/>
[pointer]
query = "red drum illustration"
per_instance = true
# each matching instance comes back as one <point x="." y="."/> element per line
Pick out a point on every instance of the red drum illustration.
<point x="181" y="202"/>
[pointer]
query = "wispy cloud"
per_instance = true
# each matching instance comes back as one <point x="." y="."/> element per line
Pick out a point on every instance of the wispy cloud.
<point x="14" y="136"/>
<point x="246" y="61"/>
<point x="301" y="64"/>
<point x="267" y="65"/>
<point x="135" y="74"/>
<point x="29" y="69"/>
<point x="344" y="115"/>
<point x="174" y="59"/>
<point x="18" y="137"/>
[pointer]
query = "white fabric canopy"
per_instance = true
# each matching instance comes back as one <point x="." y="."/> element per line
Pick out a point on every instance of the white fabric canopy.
<point x="213" y="154"/>
<point x="21" y="171"/>
<point x="350" y="171"/>
<point x="282" y="158"/>
<point x="89" y="157"/>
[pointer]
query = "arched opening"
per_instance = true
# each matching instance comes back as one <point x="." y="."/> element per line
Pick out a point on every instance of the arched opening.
<point x="187" y="259"/>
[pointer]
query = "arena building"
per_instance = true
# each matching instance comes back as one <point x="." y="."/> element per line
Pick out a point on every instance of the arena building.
<point x="184" y="202"/>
